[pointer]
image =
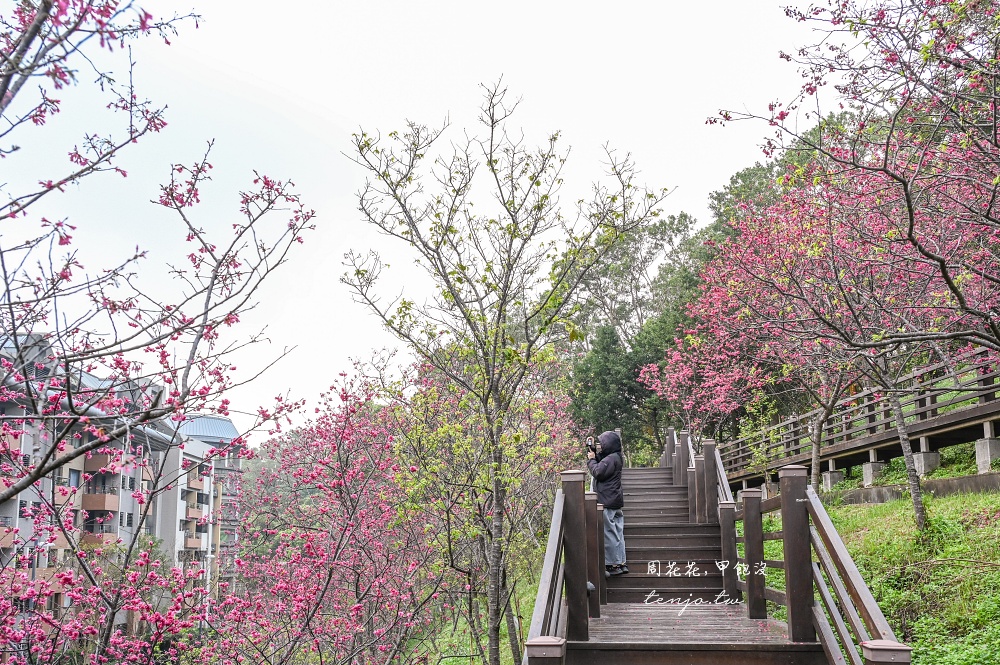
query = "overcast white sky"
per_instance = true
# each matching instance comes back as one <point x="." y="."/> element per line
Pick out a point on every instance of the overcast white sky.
<point x="282" y="87"/>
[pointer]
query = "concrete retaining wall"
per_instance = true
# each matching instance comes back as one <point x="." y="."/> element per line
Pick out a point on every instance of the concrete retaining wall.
<point x="986" y="482"/>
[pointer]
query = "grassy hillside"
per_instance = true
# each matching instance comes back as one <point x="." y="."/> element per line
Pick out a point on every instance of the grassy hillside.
<point x="940" y="590"/>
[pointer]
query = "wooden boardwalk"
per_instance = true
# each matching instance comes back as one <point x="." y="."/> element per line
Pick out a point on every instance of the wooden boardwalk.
<point x="943" y="406"/>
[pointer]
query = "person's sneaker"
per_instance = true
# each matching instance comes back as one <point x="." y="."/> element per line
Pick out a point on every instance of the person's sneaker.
<point x="618" y="569"/>
<point x="624" y="569"/>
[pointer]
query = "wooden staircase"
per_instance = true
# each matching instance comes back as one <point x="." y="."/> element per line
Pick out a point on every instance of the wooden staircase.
<point x="651" y="616"/>
<point x="678" y="605"/>
<point x="668" y="556"/>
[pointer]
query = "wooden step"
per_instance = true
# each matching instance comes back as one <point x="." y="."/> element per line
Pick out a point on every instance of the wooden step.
<point x="677" y="634"/>
<point x="695" y="653"/>
<point x="669" y="490"/>
<point x="649" y="500"/>
<point x="638" y="507"/>
<point x="646" y="470"/>
<point x="661" y="517"/>
<point x="632" y="503"/>
<point x="639" y="594"/>
<point x="651" y="541"/>
<point x="640" y="551"/>
<point x="642" y="580"/>
<point x="677" y="529"/>
<point x="653" y="508"/>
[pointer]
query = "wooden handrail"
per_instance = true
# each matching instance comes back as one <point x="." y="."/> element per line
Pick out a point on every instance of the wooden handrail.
<point x="843" y="565"/>
<point x="725" y="492"/>
<point x="847" y="620"/>
<point x="548" y="600"/>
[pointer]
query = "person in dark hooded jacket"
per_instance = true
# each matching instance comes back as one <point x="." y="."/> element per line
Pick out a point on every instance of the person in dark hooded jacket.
<point x="606" y="467"/>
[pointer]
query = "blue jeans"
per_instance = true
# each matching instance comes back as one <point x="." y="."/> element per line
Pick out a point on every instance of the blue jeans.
<point x="614" y="536"/>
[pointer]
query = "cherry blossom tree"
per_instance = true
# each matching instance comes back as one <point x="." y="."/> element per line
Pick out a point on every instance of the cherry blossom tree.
<point x="808" y="280"/>
<point x="335" y="564"/>
<point x="104" y="357"/>
<point x="920" y="80"/>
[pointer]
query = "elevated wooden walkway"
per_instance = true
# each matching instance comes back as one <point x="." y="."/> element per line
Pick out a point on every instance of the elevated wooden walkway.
<point x="682" y="601"/>
<point x="943" y="404"/>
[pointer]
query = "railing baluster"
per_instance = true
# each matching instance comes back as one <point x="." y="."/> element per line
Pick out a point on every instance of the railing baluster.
<point x="603" y="584"/>
<point x="711" y="481"/>
<point x="593" y="574"/>
<point x="727" y="526"/>
<point x="575" y="553"/>
<point x="692" y="489"/>
<point x="701" y="488"/>
<point x="797" y="556"/>
<point x="753" y="547"/>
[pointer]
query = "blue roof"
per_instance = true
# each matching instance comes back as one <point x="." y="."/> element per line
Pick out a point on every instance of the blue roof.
<point x="210" y="429"/>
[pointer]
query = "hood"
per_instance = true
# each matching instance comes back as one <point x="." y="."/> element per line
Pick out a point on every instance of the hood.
<point x="610" y="443"/>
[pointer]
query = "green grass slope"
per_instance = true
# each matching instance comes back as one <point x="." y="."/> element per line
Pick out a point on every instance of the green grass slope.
<point x="940" y="590"/>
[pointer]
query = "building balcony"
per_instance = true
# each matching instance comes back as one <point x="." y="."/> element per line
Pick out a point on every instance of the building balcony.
<point x="192" y="541"/>
<point x="195" y="481"/>
<point x="7" y="538"/>
<point x="95" y="534"/>
<point x="95" y="463"/>
<point x="48" y="573"/>
<point x="101" y="497"/>
<point x="66" y="495"/>
<point x="193" y="513"/>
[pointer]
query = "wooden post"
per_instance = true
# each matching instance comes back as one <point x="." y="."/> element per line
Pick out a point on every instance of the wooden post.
<point x="593" y="574"/>
<point x="711" y="481"/>
<point x="681" y="460"/>
<point x="727" y="525"/>
<point x="798" y="555"/>
<point x="692" y="495"/>
<point x="985" y="383"/>
<point x="575" y="549"/>
<point x="921" y="401"/>
<point x="701" y="488"/>
<point x="545" y="650"/>
<point x="753" y="546"/>
<point x="600" y="555"/>
<point x="875" y="652"/>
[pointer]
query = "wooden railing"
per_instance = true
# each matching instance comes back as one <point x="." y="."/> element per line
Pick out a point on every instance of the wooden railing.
<point x="964" y="383"/>
<point x="702" y="473"/>
<point x="863" y="635"/>
<point x="572" y="586"/>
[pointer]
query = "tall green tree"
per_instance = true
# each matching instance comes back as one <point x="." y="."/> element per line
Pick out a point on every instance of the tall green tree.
<point x="504" y="273"/>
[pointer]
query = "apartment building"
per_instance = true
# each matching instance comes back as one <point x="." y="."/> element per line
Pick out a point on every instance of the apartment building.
<point x="219" y="433"/>
<point x="160" y="484"/>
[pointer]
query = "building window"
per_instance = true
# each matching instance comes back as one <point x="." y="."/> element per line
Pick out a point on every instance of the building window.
<point x="74" y="478"/>
<point x="125" y="519"/>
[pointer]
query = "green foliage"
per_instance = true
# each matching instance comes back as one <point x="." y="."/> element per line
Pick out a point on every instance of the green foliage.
<point x="600" y="399"/>
<point x="940" y="589"/>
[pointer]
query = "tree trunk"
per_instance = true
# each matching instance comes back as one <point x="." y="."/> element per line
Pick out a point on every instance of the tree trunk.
<point x="513" y="635"/>
<point x="494" y="596"/>
<point x="817" y="439"/>
<point x="912" y="479"/>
